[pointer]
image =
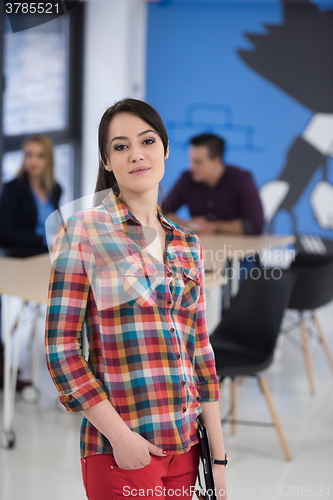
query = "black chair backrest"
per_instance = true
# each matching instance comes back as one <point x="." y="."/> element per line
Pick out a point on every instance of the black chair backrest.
<point x="314" y="284"/>
<point x="254" y="318"/>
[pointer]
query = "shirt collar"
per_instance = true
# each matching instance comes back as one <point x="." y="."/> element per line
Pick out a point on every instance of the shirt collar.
<point x="166" y="222"/>
<point x="119" y="212"/>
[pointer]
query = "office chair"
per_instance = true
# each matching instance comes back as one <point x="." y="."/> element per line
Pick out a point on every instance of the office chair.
<point x="245" y="339"/>
<point x="313" y="289"/>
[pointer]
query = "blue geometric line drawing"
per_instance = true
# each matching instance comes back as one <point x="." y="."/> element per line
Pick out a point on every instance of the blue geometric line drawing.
<point x="212" y="118"/>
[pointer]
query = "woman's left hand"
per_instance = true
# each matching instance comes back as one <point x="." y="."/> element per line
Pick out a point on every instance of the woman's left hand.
<point x="220" y="482"/>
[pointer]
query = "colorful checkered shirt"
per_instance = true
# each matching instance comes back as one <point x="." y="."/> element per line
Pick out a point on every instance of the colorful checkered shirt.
<point x="149" y="351"/>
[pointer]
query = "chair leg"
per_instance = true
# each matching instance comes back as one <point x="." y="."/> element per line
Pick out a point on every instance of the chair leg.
<point x="275" y="418"/>
<point x="322" y="339"/>
<point x="233" y="406"/>
<point x="306" y="352"/>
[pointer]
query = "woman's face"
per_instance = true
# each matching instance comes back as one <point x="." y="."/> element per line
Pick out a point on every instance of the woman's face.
<point x="136" y="153"/>
<point x="34" y="159"/>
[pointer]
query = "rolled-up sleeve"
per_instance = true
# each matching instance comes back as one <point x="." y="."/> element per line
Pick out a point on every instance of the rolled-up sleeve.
<point x="207" y="381"/>
<point x="69" y="287"/>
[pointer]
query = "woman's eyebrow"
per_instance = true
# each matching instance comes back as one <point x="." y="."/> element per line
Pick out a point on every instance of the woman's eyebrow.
<point x="120" y="138"/>
<point x="124" y="138"/>
<point x="146" y="132"/>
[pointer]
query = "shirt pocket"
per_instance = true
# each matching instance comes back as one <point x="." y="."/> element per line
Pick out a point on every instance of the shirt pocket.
<point x="139" y="283"/>
<point x="191" y="288"/>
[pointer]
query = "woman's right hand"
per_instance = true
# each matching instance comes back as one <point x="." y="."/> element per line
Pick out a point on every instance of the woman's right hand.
<point x="133" y="451"/>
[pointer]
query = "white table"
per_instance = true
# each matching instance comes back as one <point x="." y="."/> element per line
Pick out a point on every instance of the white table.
<point x="219" y="248"/>
<point x="27" y="279"/>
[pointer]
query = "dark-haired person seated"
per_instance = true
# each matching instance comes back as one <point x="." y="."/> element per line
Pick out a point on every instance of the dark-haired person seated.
<point x="220" y="197"/>
<point x="28" y="200"/>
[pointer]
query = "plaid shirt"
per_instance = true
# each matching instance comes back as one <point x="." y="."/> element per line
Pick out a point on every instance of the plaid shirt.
<point x="149" y="351"/>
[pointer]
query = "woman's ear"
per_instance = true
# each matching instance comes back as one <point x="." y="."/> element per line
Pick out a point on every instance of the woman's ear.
<point x="107" y="165"/>
<point x="167" y="153"/>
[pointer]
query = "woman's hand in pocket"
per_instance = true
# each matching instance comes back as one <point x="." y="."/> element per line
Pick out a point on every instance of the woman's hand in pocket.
<point x="133" y="451"/>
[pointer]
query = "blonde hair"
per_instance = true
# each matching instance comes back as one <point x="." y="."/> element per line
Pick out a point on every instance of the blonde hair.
<point x="48" y="180"/>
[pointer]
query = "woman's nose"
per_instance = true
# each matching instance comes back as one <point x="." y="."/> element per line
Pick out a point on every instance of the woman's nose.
<point x="137" y="154"/>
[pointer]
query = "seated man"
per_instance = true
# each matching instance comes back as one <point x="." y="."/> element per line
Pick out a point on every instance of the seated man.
<point x="220" y="197"/>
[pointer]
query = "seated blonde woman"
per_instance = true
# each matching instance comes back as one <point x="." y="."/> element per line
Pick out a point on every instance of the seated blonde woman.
<point x="28" y="200"/>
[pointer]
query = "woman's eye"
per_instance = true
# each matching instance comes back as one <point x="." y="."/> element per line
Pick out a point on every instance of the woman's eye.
<point x="149" y="141"/>
<point x="120" y="147"/>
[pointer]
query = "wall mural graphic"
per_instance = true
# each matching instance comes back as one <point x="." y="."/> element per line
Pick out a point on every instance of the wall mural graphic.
<point x="213" y="118"/>
<point x="260" y="74"/>
<point x="295" y="57"/>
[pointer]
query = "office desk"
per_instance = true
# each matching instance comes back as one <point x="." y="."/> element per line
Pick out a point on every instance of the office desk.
<point x="219" y="248"/>
<point x="229" y="246"/>
<point x="27" y="279"/>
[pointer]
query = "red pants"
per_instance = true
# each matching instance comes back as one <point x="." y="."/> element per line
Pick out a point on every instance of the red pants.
<point x="165" y="478"/>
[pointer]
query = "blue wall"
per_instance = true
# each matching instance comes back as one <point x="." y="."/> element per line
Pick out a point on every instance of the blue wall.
<point x="198" y="82"/>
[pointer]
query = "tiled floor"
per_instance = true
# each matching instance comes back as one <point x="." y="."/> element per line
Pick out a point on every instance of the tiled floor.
<point x="44" y="465"/>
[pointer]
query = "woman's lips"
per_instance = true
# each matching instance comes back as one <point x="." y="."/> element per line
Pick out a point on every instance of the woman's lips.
<point x="141" y="171"/>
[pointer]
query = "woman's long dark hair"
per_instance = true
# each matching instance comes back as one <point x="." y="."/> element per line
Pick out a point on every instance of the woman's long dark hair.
<point x="106" y="179"/>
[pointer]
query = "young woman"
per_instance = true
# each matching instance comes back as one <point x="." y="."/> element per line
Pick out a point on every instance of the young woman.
<point x="137" y="281"/>
<point x="29" y="199"/>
